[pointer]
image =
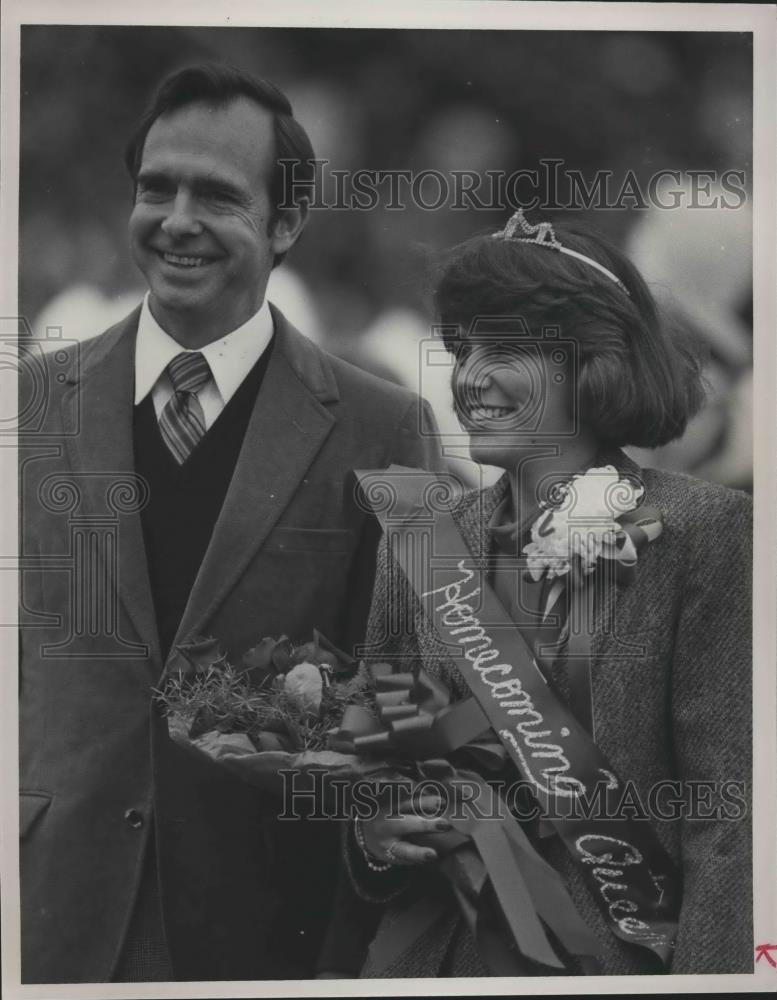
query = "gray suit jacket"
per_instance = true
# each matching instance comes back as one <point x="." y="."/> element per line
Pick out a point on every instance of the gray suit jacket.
<point x="680" y="710"/>
<point x="289" y="552"/>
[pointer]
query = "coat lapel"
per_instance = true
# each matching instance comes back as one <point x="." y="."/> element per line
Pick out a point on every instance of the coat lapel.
<point x="474" y="516"/>
<point x="97" y="412"/>
<point x="287" y="428"/>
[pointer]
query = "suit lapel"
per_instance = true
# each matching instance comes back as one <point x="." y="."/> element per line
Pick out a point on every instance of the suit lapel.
<point x="100" y="407"/>
<point x="287" y="428"/>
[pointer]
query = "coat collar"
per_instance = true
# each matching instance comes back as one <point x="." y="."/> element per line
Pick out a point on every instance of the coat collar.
<point x="286" y="430"/>
<point x="229" y="358"/>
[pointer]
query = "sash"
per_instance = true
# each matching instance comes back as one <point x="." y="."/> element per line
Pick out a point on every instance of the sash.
<point x="623" y="863"/>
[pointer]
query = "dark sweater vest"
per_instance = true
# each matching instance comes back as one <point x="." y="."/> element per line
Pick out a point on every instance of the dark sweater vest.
<point x="185" y="500"/>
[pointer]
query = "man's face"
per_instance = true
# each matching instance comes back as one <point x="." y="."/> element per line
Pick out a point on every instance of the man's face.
<point x="200" y="231"/>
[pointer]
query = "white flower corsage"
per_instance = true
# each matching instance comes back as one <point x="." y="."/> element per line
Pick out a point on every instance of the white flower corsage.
<point x="580" y="525"/>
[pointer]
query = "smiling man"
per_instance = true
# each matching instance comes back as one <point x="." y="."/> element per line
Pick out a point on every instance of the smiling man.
<point x="235" y="436"/>
<point x="205" y="231"/>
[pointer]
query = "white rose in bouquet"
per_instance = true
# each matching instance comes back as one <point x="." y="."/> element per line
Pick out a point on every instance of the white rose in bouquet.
<point x="304" y="686"/>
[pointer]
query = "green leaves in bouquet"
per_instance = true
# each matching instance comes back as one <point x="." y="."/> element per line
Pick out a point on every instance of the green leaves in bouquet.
<point x="292" y="696"/>
<point x="267" y="659"/>
<point x="216" y="699"/>
<point x="272" y="657"/>
<point x="195" y="657"/>
<point x="324" y="654"/>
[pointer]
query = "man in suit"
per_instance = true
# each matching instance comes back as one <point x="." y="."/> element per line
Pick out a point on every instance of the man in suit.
<point x="189" y="477"/>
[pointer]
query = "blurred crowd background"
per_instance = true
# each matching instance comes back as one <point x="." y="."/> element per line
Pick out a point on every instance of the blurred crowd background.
<point x="414" y="100"/>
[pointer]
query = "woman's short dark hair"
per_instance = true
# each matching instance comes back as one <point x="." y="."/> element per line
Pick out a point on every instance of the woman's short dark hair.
<point x="638" y="383"/>
<point x="216" y="84"/>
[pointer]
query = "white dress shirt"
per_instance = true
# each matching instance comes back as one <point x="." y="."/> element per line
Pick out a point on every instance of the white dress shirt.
<point x="230" y="359"/>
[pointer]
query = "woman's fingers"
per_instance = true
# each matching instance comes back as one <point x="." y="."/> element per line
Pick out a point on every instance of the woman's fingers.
<point x="428" y="806"/>
<point x="403" y="852"/>
<point x="409" y="825"/>
<point x="421" y="816"/>
<point x="387" y="838"/>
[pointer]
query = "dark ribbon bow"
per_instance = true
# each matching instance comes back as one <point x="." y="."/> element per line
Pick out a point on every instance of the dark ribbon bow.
<point x="488" y="849"/>
<point x="416" y="719"/>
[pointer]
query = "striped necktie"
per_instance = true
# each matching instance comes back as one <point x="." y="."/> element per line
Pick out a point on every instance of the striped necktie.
<point x="182" y="422"/>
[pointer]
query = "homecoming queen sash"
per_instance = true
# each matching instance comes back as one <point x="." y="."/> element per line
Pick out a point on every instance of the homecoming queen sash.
<point x="624" y="865"/>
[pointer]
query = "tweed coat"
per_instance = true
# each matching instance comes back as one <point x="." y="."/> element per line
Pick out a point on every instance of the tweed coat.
<point x="682" y="711"/>
<point x="243" y="896"/>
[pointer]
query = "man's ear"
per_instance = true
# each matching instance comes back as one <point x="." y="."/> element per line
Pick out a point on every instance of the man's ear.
<point x="288" y="225"/>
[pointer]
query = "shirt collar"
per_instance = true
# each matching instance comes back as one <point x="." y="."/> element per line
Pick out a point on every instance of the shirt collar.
<point x="230" y="358"/>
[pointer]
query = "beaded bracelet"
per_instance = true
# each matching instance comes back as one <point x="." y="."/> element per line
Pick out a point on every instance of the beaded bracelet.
<point x="364" y="884"/>
<point x="373" y="865"/>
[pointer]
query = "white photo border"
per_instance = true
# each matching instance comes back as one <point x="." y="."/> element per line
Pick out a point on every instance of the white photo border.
<point x="474" y="15"/>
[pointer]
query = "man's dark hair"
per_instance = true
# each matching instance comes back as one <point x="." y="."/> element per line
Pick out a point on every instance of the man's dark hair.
<point x="639" y="382"/>
<point x="217" y="85"/>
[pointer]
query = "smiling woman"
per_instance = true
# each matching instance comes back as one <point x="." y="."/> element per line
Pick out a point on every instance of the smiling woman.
<point x="510" y="395"/>
<point x="560" y="360"/>
<point x="567" y="337"/>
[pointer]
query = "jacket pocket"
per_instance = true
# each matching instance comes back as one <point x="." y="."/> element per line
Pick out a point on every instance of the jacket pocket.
<point x="309" y="540"/>
<point x="32" y="805"/>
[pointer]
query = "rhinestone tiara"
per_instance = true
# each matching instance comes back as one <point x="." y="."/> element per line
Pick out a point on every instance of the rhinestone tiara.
<point x="519" y="228"/>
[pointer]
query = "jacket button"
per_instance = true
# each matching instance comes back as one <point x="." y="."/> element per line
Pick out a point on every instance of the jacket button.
<point x="134" y="818"/>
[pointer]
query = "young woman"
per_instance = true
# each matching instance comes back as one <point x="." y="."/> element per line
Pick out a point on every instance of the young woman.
<point x="560" y="361"/>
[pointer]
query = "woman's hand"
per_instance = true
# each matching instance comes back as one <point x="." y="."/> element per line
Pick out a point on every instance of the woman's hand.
<point x="389" y="837"/>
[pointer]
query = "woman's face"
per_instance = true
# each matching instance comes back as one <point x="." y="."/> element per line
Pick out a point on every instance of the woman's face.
<point x="511" y="397"/>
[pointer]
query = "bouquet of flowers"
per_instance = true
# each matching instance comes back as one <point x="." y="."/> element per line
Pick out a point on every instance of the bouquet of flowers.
<point x="310" y="708"/>
<point x="272" y="712"/>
